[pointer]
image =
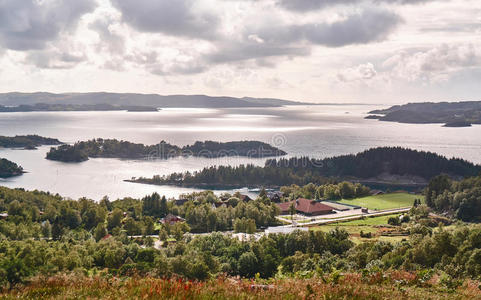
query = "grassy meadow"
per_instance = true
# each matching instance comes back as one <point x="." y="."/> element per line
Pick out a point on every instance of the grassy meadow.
<point x="386" y="201"/>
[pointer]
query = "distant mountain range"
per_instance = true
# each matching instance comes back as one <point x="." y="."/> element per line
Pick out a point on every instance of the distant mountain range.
<point x="145" y="100"/>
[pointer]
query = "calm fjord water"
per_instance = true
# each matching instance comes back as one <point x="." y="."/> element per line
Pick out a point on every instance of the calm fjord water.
<point x="316" y="131"/>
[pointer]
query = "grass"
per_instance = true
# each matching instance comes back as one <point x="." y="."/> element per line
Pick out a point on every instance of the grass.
<point x="389" y="285"/>
<point x="365" y="225"/>
<point x="386" y="201"/>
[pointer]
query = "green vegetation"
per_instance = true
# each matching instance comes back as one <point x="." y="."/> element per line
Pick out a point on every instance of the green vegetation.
<point x="26" y="141"/>
<point x="112" y="148"/>
<point x="374" y="165"/>
<point x="9" y="168"/>
<point x="455" y="114"/>
<point x="44" y="237"/>
<point x="330" y="191"/>
<point x="456" y="198"/>
<point x="386" y="201"/>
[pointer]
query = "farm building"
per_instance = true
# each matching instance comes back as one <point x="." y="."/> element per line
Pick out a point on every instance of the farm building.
<point x="306" y="207"/>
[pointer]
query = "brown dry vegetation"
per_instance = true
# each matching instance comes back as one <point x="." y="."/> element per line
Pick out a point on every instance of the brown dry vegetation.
<point x="392" y="285"/>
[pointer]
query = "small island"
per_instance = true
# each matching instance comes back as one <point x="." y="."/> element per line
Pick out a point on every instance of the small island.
<point x="452" y="114"/>
<point x="9" y="168"/>
<point x="112" y="148"/>
<point x="29" y="142"/>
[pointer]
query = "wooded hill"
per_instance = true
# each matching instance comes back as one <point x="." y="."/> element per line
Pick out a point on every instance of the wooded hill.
<point x="453" y="114"/>
<point x="9" y="168"/>
<point x="373" y="164"/>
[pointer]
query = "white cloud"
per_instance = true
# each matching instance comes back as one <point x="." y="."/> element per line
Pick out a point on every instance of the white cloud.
<point x="362" y="72"/>
<point x="31" y="24"/>
<point x="436" y="64"/>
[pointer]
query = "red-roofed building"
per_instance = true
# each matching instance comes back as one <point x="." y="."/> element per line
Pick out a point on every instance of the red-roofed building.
<point x="306" y="207"/>
<point x="171" y="219"/>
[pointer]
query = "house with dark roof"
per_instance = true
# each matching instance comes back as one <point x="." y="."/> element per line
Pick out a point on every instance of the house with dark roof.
<point x="306" y="207"/>
<point x="275" y="196"/>
<point x="377" y="192"/>
<point x="245" y="198"/>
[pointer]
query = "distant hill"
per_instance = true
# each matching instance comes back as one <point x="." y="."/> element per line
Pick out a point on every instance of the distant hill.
<point x="453" y="114"/>
<point x="148" y="100"/>
<point x="387" y="165"/>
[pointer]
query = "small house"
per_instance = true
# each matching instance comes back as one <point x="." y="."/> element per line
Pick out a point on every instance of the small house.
<point x="377" y="192"/>
<point x="275" y="196"/>
<point x="171" y="219"/>
<point x="245" y="198"/>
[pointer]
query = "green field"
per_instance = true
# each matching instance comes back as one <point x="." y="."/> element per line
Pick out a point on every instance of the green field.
<point x="387" y="201"/>
<point x="366" y="225"/>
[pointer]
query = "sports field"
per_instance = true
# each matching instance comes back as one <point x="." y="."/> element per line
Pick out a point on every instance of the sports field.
<point x="386" y="201"/>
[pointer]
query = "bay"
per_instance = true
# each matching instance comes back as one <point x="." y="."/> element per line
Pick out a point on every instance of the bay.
<point x="316" y="131"/>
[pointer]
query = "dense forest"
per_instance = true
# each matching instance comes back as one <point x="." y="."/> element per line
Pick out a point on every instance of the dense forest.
<point x="26" y="141"/>
<point x="373" y="164"/>
<point x="112" y="148"/>
<point x="461" y="199"/>
<point x="46" y="235"/>
<point x="9" y="168"/>
<point x="454" y="114"/>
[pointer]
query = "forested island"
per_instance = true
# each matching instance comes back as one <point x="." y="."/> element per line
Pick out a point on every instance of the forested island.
<point x="75" y="107"/>
<point x="27" y="141"/>
<point x="383" y="165"/>
<point x="9" y="168"/>
<point x="112" y="148"/>
<point x="452" y="114"/>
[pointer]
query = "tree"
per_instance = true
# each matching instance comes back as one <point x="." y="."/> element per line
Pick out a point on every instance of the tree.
<point x="164" y="210"/>
<point x="46" y="229"/>
<point x="149" y="225"/>
<point x="100" y="232"/>
<point x="115" y="219"/>
<point x="132" y="227"/>
<point x="251" y="226"/>
<point x="248" y="264"/>
<point x="292" y="210"/>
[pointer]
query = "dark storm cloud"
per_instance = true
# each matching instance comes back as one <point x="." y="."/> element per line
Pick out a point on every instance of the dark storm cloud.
<point x="30" y="24"/>
<point x="178" y="17"/>
<point x="308" y="5"/>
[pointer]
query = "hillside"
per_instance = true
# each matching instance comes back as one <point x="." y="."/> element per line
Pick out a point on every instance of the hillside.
<point x="111" y="148"/>
<point x="384" y="165"/>
<point x="9" y="168"/>
<point x="150" y="100"/>
<point x="453" y="114"/>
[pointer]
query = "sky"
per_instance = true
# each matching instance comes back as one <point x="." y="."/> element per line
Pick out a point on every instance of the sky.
<point x="358" y="51"/>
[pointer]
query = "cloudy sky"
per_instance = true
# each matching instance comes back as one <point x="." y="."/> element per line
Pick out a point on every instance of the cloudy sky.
<point x="366" y="51"/>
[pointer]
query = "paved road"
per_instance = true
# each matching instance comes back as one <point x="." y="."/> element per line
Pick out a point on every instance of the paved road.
<point x="355" y="217"/>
